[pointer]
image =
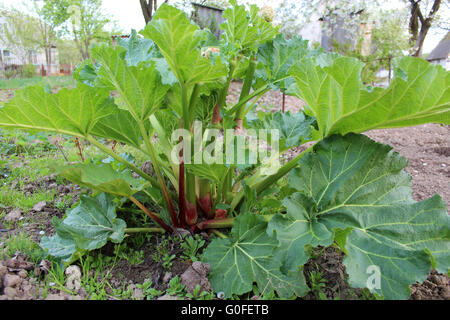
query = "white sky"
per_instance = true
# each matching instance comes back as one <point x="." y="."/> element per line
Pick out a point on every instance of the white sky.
<point x="128" y="15"/>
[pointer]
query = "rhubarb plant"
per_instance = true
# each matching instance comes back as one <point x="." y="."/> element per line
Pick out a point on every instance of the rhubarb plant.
<point x="344" y="190"/>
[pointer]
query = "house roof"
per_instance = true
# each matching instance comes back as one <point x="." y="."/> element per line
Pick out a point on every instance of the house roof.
<point x="205" y="6"/>
<point x="442" y="50"/>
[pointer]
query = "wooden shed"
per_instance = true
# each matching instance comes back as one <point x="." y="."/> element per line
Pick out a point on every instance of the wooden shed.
<point x="208" y="17"/>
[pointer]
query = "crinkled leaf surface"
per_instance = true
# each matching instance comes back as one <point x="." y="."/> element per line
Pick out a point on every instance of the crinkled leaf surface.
<point x="294" y="231"/>
<point x="179" y="41"/>
<point x="278" y="56"/>
<point x="353" y="183"/>
<point x="86" y="72"/>
<point x="244" y="31"/>
<point x="294" y="129"/>
<point x="70" y="111"/>
<point x="247" y="257"/>
<point x="120" y="126"/>
<point x="138" y="49"/>
<point x="92" y="223"/>
<point x="215" y="172"/>
<point x="335" y="95"/>
<point x="103" y="178"/>
<point x="59" y="247"/>
<point x="140" y="89"/>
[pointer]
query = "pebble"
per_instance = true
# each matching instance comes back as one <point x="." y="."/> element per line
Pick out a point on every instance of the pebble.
<point x="52" y="296"/>
<point x="74" y="278"/>
<point x="11" y="280"/>
<point x="13" y="215"/>
<point x="167" y="277"/>
<point x="10" y="292"/>
<point x="39" y="206"/>
<point x="168" y="297"/>
<point x="23" y="274"/>
<point x="138" y="294"/>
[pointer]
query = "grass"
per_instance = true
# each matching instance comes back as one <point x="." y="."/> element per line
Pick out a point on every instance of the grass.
<point x="53" y="81"/>
<point x="31" y="165"/>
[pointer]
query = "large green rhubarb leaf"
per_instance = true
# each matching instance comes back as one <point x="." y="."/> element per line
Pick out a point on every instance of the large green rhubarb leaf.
<point x="294" y="129"/>
<point x="335" y="95"/>
<point x="59" y="247"/>
<point x="87" y="227"/>
<point x="103" y="178"/>
<point x="138" y="49"/>
<point x="358" y="186"/>
<point x="244" y="31"/>
<point x="247" y="257"/>
<point x="179" y="41"/>
<point x="215" y="172"/>
<point x="278" y="56"/>
<point x="121" y="126"/>
<point x="70" y="111"/>
<point x="294" y="231"/>
<point x="140" y="89"/>
<point x="92" y="223"/>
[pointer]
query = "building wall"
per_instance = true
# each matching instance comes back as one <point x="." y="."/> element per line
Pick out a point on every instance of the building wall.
<point x="443" y="62"/>
<point x="14" y="56"/>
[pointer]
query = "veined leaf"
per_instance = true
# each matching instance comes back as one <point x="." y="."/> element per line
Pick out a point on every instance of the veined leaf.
<point x="70" y="111"/>
<point x="59" y="247"/>
<point x="138" y="49"/>
<point x="247" y="257"/>
<point x="332" y="89"/>
<point x="353" y="183"/>
<point x="278" y="56"/>
<point x="215" y="172"/>
<point x="179" y="41"/>
<point x="120" y="126"/>
<point x="295" y="230"/>
<point x="86" y="72"/>
<point x="140" y="88"/>
<point x="103" y="178"/>
<point x="244" y="31"/>
<point x="92" y="223"/>
<point x="294" y="129"/>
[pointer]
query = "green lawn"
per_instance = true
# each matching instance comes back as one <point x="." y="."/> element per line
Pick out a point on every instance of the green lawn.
<point x="53" y="81"/>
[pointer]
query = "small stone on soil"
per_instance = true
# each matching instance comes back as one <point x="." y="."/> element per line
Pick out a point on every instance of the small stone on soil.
<point x="39" y="206"/>
<point x="196" y="275"/>
<point x="13" y="215"/>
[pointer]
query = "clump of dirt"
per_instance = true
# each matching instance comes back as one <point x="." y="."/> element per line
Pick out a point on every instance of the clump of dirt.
<point x="436" y="287"/>
<point x="196" y="275"/>
<point x="328" y="262"/>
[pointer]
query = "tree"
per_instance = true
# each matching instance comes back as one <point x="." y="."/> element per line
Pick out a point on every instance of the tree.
<point x="149" y="7"/>
<point x="419" y="24"/>
<point x="68" y="52"/>
<point x="390" y="34"/>
<point x="82" y="19"/>
<point x="27" y="34"/>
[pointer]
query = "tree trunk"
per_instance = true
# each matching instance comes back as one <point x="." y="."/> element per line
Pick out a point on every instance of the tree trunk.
<point x="49" y="60"/>
<point x="147" y="9"/>
<point x="418" y="36"/>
